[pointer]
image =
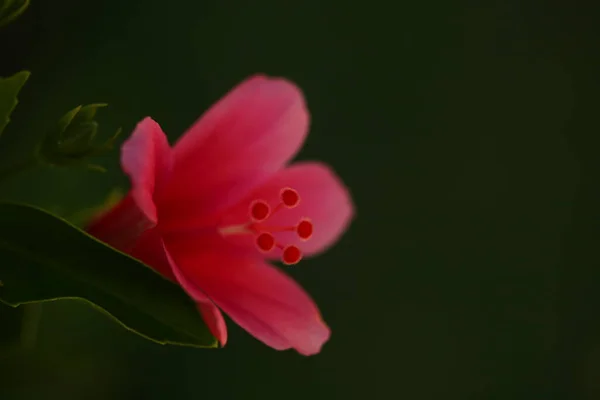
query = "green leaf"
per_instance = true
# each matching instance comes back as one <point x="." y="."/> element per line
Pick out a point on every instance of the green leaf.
<point x="11" y="9"/>
<point x="9" y="89"/>
<point x="44" y="258"/>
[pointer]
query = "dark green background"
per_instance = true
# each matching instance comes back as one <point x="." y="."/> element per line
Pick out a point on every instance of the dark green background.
<point x="468" y="133"/>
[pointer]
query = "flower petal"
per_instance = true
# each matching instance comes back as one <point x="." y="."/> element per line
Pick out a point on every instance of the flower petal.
<point x="324" y="200"/>
<point x="150" y="250"/>
<point x="245" y="137"/>
<point x="210" y="313"/>
<point x="214" y="319"/>
<point x="258" y="297"/>
<point x="122" y="225"/>
<point x="146" y="159"/>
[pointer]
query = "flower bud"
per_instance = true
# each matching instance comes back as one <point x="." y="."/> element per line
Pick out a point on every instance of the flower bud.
<point x="72" y="140"/>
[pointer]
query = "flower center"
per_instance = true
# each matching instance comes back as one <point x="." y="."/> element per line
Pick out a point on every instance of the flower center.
<point x="264" y="234"/>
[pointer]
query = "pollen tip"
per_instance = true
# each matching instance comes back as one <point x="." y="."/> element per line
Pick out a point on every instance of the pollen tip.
<point x="289" y="197"/>
<point x="304" y="229"/>
<point x="259" y="210"/>
<point x="265" y="242"/>
<point x="291" y="255"/>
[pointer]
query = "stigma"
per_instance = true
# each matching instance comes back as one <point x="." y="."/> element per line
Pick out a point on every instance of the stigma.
<point x="265" y="235"/>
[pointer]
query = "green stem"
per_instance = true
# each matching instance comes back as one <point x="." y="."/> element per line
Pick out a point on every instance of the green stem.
<point x="30" y="325"/>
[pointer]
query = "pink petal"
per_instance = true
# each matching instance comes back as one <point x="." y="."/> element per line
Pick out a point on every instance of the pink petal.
<point x="146" y="159"/>
<point x="245" y="137"/>
<point x="324" y="199"/>
<point x="258" y="297"/>
<point x="122" y="225"/>
<point x="150" y="250"/>
<point x="210" y="313"/>
<point x="214" y="319"/>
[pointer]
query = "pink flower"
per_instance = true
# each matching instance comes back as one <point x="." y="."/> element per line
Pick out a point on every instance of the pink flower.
<point x="211" y="212"/>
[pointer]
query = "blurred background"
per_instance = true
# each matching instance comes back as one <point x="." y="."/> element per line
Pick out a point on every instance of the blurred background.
<point x="467" y="132"/>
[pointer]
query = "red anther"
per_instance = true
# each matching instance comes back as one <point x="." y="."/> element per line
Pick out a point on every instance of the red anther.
<point x="289" y="197"/>
<point x="291" y="255"/>
<point x="259" y="211"/>
<point x="265" y="242"/>
<point x="304" y="229"/>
